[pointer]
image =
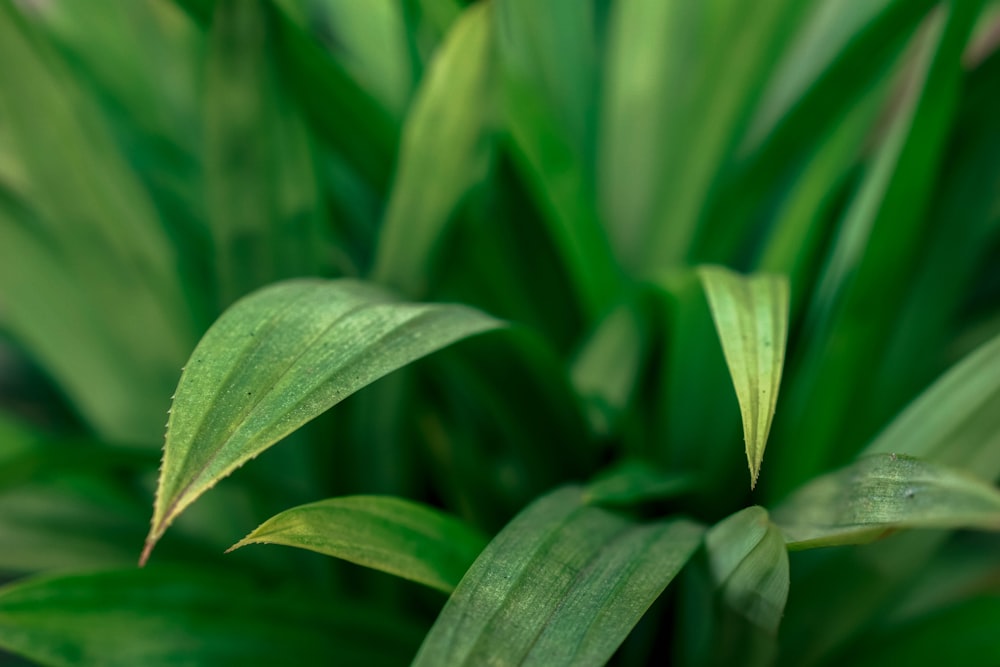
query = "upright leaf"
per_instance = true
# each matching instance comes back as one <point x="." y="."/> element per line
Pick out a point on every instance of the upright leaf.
<point x="885" y="492"/>
<point x="562" y="584"/>
<point x="748" y="559"/>
<point x="751" y="317"/>
<point x="278" y="358"/>
<point x="397" y="536"/>
<point x="446" y="149"/>
<point x="172" y="616"/>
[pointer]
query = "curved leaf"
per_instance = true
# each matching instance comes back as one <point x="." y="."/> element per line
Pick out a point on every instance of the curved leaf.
<point x="393" y="535"/>
<point x="749" y="560"/>
<point x="879" y="493"/>
<point x="279" y="358"/>
<point x="751" y="317"/>
<point x="562" y="584"/>
<point x="180" y="617"/>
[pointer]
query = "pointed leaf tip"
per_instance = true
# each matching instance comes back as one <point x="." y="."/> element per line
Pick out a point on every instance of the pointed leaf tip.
<point x="277" y="359"/>
<point x="751" y="318"/>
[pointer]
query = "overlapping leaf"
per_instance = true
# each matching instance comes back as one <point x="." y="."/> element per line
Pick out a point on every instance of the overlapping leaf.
<point x="884" y="492"/>
<point x="562" y="584"/>
<point x="397" y="536"/>
<point x="279" y="358"/>
<point x="751" y="317"/>
<point x="747" y="555"/>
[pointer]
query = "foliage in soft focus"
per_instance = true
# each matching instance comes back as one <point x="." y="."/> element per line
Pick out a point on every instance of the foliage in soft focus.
<point x="484" y="307"/>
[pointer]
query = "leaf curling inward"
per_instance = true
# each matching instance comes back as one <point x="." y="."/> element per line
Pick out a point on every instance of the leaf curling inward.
<point x="751" y="318"/>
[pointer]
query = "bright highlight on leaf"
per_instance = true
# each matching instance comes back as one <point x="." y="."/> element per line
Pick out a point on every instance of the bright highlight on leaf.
<point x="884" y="492"/>
<point x="277" y="359"/>
<point x="748" y="558"/>
<point x="562" y="584"/>
<point x="751" y="317"/>
<point x="393" y="535"/>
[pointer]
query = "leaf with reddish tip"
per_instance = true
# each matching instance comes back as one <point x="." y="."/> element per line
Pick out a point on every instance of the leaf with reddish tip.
<point x="278" y="358"/>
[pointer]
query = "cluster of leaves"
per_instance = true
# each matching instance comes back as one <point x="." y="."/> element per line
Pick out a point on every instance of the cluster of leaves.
<point x="323" y="192"/>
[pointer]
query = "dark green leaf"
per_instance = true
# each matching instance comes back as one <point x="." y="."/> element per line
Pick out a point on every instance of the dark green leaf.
<point x="884" y="492"/>
<point x="751" y="317"/>
<point x="170" y="617"/>
<point x="563" y="584"/>
<point x="634" y="481"/>
<point x="277" y="359"/>
<point x="397" y="536"/>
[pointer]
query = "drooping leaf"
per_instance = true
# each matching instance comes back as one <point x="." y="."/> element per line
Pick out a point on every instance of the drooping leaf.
<point x="751" y="317"/>
<point x="884" y="492"/>
<point x="397" y="536"/>
<point x="173" y="616"/>
<point x="278" y="358"/>
<point x="562" y="584"/>
<point x="749" y="562"/>
<point x="635" y="481"/>
<point x="445" y="151"/>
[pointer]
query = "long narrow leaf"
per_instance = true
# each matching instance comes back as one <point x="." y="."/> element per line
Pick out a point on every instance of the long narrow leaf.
<point x="751" y="317"/>
<point x="277" y="359"/>
<point x="397" y="536"/>
<point x="563" y="584"/>
<point x="881" y="493"/>
<point x="446" y="150"/>
<point x="171" y="616"/>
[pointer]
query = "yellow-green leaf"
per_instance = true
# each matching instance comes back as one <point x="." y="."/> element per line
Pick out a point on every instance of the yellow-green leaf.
<point x="393" y="535"/>
<point x="884" y="492"/>
<point x="278" y="358"/>
<point x="751" y="317"/>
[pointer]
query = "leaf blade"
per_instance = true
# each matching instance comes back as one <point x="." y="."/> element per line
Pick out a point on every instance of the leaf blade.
<point x="277" y="359"/>
<point x="394" y="535"/>
<point x="562" y="584"/>
<point x="751" y="318"/>
<point x="884" y="492"/>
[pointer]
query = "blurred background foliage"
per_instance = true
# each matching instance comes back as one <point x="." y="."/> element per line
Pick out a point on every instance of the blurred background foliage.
<point x="560" y="164"/>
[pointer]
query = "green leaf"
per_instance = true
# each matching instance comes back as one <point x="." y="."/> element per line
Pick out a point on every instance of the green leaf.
<point x="751" y="317"/>
<point x="261" y="187"/>
<point x="172" y="616"/>
<point x="277" y="359"/>
<point x="634" y="481"/>
<point x="956" y="421"/>
<point x="393" y="535"/>
<point x="446" y="150"/>
<point x="885" y="492"/>
<point x="562" y="584"/>
<point x="749" y="561"/>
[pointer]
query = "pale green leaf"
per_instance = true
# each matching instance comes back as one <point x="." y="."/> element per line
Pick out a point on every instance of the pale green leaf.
<point x="751" y="317"/>
<point x="446" y="149"/>
<point x="884" y="492"/>
<point x="277" y="359"/>
<point x="956" y="421"/>
<point x="183" y="617"/>
<point x="562" y="584"/>
<point x="749" y="561"/>
<point x="393" y="535"/>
